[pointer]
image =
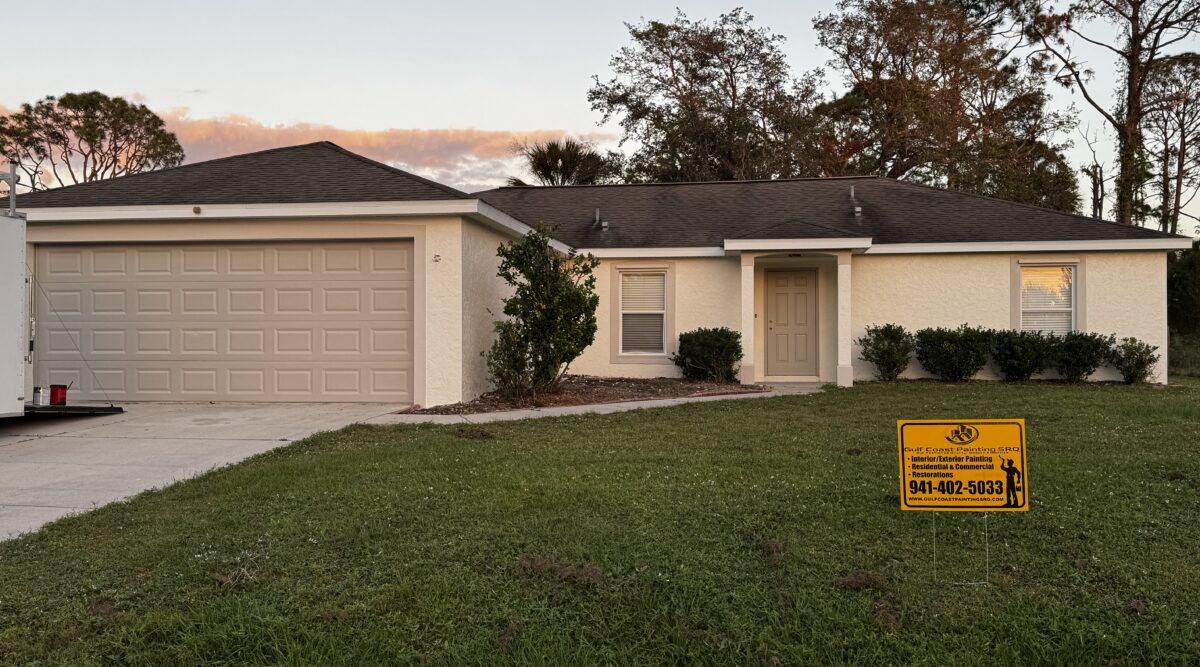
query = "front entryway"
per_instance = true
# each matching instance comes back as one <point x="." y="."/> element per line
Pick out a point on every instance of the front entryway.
<point x="791" y="306"/>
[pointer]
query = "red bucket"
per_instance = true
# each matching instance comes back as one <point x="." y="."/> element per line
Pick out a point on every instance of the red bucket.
<point x="58" y="394"/>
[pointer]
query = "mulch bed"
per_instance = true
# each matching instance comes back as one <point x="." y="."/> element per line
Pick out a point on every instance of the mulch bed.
<point x="587" y="390"/>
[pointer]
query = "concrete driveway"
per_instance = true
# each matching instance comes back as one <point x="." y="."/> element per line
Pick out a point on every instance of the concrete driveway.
<point x="50" y="468"/>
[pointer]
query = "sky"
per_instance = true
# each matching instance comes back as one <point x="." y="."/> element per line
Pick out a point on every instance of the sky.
<point x="442" y="89"/>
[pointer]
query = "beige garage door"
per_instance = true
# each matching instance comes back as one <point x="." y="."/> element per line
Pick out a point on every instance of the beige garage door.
<point x="252" y="322"/>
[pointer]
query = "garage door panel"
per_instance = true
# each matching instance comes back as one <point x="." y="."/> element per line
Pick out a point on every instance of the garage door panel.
<point x="241" y="322"/>
<point x="210" y="263"/>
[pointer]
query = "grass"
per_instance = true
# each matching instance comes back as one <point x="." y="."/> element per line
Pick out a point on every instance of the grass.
<point x="754" y="532"/>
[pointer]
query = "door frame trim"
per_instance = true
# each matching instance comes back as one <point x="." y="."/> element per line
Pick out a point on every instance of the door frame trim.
<point x="816" y="274"/>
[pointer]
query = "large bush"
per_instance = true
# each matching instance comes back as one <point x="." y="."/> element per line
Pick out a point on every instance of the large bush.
<point x="1134" y="359"/>
<point x="889" y="347"/>
<point x="1080" y="353"/>
<point x="954" y="354"/>
<point x="551" y="315"/>
<point x="1021" y="354"/>
<point x="709" y="354"/>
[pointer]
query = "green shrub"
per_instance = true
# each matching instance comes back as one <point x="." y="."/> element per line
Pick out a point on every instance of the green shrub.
<point x="1080" y="353"/>
<point x="709" y="354"/>
<point x="889" y="347"/>
<point x="551" y="315"/>
<point x="954" y="354"/>
<point x="1021" y="354"/>
<point x="1134" y="359"/>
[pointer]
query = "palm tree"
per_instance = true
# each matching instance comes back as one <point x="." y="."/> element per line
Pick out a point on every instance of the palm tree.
<point x="567" y="162"/>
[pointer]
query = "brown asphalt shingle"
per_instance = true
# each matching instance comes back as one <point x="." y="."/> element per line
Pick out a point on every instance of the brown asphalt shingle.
<point x="639" y="216"/>
<point x="705" y="214"/>
<point x="309" y="173"/>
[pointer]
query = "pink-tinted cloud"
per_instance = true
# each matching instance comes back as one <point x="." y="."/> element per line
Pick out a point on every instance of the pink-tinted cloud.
<point x="466" y="157"/>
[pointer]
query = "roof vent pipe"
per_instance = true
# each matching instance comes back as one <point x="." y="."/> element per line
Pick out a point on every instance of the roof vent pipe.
<point x="857" y="208"/>
<point x="602" y="224"/>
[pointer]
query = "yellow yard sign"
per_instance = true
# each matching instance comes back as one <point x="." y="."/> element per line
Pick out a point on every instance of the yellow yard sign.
<point x="968" y="465"/>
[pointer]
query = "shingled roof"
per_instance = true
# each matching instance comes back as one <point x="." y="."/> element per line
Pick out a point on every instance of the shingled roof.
<point x="706" y="214"/>
<point x="309" y="173"/>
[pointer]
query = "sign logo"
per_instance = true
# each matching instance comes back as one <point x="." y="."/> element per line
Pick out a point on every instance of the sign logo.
<point x="974" y="465"/>
<point x="963" y="434"/>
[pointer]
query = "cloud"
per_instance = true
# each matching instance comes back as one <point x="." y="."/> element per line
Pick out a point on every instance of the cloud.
<point x="467" y="158"/>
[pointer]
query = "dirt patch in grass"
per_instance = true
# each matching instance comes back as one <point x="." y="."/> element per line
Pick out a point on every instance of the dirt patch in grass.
<point x="854" y="451"/>
<point x="510" y="633"/>
<point x="860" y="580"/>
<point x="557" y="570"/>
<point x="885" y="613"/>
<point x="102" y="607"/>
<point x="773" y="550"/>
<point x="474" y="433"/>
<point x="588" y="390"/>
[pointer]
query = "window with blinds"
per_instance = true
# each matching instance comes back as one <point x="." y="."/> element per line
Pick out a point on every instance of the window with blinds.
<point x="643" y="313"/>
<point x="1048" y="299"/>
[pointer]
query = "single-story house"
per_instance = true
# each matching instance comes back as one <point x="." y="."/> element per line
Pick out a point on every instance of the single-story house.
<point x="309" y="273"/>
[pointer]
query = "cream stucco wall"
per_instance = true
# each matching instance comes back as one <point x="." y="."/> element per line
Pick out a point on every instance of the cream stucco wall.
<point x="1120" y="292"/>
<point x="706" y="293"/>
<point x="1127" y="295"/>
<point x="483" y="292"/>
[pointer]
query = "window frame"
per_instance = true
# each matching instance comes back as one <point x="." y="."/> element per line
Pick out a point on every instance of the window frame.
<point x="622" y="312"/>
<point x="618" y="355"/>
<point x="1078" y="294"/>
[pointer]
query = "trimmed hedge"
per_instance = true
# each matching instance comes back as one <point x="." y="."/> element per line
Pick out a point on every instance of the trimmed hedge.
<point x="1022" y="354"/>
<point x="954" y="355"/>
<point x="1134" y="359"/>
<point x="1081" y="353"/>
<point x="709" y="354"/>
<point x="889" y="347"/>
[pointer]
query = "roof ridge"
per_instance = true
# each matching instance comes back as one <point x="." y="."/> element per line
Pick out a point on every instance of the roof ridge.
<point x="394" y="170"/>
<point x="677" y="183"/>
<point x="1035" y="207"/>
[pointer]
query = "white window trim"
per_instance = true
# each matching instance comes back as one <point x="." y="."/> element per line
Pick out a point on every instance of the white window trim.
<point x="621" y="312"/>
<point x="1076" y="274"/>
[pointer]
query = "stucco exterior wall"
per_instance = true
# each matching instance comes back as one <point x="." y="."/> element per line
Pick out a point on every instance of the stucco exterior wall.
<point x="707" y="293"/>
<point x="1119" y="292"/>
<point x="483" y="292"/>
<point x="1127" y="295"/>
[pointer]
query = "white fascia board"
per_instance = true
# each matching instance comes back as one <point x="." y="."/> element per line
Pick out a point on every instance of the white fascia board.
<point x="477" y="209"/>
<point x="1028" y="246"/>
<point x="220" y="211"/>
<point x="500" y="218"/>
<point x="652" y="253"/>
<point x="798" y="244"/>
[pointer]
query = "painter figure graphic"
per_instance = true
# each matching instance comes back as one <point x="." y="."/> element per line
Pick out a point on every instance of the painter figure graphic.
<point x="1012" y="484"/>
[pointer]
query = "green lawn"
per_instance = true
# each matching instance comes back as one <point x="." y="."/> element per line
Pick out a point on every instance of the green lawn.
<point x="710" y="533"/>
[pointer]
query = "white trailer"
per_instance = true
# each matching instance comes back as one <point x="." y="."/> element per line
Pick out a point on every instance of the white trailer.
<point x="13" y="316"/>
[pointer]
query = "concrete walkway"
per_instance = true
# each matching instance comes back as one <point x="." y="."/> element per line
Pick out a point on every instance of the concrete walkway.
<point x="788" y="389"/>
<point x="52" y="467"/>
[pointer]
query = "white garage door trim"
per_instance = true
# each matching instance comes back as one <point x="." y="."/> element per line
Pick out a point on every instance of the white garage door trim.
<point x="252" y="321"/>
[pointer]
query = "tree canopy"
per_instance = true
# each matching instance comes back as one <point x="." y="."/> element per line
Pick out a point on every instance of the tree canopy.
<point x="567" y="162"/>
<point x="83" y="137"/>
<point x="933" y="94"/>
<point x="705" y="100"/>
<point x="936" y="94"/>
